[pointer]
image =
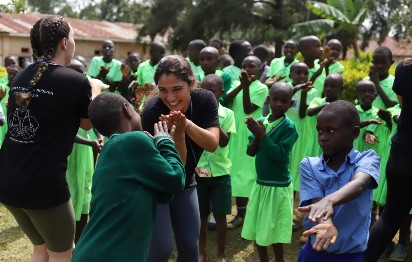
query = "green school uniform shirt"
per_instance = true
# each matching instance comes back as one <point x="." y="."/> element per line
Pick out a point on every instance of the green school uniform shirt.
<point x="3" y="129"/>
<point x="197" y="69"/>
<point x="312" y="144"/>
<point x="320" y="80"/>
<point x="218" y="163"/>
<point x="272" y="157"/>
<point x="336" y="68"/>
<point x="132" y="175"/>
<point x="386" y="85"/>
<point x="4" y="79"/>
<point x="243" y="173"/>
<point x="277" y="67"/>
<point x="115" y="73"/>
<point x="234" y="73"/>
<point x="226" y="78"/>
<point x="145" y="73"/>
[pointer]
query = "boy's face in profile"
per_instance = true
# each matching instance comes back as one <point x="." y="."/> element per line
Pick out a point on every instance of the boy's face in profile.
<point x="209" y="62"/>
<point x="332" y="88"/>
<point x="299" y="74"/>
<point x="212" y="87"/>
<point x="365" y="93"/>
<point x="381" y="62"/>
<point x="289" y="50"/>
<point x="334" y="133"/>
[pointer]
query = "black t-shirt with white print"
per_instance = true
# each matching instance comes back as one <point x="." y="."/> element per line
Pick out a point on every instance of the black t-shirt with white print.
<point x="33" y="158"/>
<point x="202" y="111"/>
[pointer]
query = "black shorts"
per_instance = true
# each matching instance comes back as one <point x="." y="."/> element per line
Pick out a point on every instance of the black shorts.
<point x="214" y="195"/>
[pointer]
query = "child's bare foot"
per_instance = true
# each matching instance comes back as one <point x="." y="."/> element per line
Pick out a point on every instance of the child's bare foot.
<point x="221" y="259"/>
<point x="202" y="257"/>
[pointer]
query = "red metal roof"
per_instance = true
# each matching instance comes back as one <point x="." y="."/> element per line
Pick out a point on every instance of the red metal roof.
<point x="83" y="29"/>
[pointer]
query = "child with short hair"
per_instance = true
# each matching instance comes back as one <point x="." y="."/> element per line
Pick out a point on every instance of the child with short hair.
<point x="133" y="60"/>
<point x="335" y="47"/>
<point x="310" y="48"/>
<point x="269" y="213"/>
<point x="213" y="181"/>
<point x="146" y="69"/>
<point x="336" y="189"/>
<point x="379" y="75"/>
<point x="127" y="188"/>
<point x="9" y="61"/>
<point x="238" y="50"/>
<point x="225" y="61"/>
<point x="281" y="66"/>
<point x="262" y="52"/>
<point x="106" y="68"/>
<point x="333" y="87"/>
<point x="193" y="51"/>
<point x="246" y="99"/>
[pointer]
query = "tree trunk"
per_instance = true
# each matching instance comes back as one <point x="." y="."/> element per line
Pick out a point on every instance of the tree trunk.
<point x="355" y="47"/>
<point x="278" y="47"/>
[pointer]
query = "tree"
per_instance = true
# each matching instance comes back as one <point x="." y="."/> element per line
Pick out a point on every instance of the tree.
<point x="13" y="6"/>
<point x="342" y="17"/>
<point x="255" y="20"/>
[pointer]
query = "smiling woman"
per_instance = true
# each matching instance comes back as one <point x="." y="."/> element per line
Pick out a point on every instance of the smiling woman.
<point x="194" y="113"/>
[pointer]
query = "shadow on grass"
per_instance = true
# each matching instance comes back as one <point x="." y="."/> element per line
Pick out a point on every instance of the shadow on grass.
<point x="10" y="234"/>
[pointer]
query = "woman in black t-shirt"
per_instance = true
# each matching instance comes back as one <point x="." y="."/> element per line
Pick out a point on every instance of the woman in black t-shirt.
<point x="194" y="112"/>
<point x="47" y="104"/>
<point x="398" y="170"/>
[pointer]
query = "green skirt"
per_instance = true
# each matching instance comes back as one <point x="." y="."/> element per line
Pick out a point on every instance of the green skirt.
<point x="269" y="215"/>
<point x="80" y="168"/>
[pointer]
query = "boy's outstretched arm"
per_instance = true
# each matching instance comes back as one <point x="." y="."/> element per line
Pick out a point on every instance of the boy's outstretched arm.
<point x="324" y="207"/>
<point x="326" y="234"/>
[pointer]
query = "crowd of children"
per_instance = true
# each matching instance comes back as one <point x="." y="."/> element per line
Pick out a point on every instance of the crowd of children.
<point x="283" y="130"/>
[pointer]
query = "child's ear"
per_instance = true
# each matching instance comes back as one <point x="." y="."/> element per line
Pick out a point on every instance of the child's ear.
<point x="126" y="111"/>
<point x="355" y="132"/>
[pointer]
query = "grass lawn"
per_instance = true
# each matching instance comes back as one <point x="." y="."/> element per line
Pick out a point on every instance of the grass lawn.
<point x="15" y="246"/>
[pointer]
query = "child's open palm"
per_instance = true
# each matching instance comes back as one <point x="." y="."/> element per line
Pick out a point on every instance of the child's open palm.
<point x="246" y="79"/>
<point x="326" y="235"/>
<point x="160" y="129"/>
<point x="257" y="128"/>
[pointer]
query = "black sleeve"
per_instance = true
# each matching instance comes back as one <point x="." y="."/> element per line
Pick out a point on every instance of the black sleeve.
<point x="84" y="98"/>
<point x="403" y="78"/>
<point x="207" y="109"/>
<point x="151" y="114"/>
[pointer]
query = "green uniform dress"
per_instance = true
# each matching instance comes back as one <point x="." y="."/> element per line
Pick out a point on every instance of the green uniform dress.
<point x="243" y="172"/>
<point x="115" y="73"/>
<point x="234" y="73"/>
<point x="79" y="173"/>
<point x="269" y="213"/>
<point x="319" y="80"/>
<point x="3" y="129"/>
<point x="304" y="130"/>
<point x="312" y="144"/>
<point x="132" y="175"/>
<point x="379" y="194"/>
<point x="380" y="131"/>
<point x="145" y="73"/>
<point x="336" y="67"/>
<point x="386" y="85"/>
<point x="278" y="67"/>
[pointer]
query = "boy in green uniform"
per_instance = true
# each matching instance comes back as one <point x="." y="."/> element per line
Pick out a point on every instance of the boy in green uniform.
<point x="335" y="47"/>
<point x="213" y="180"/>
<point x="134" y="172"/>
<point x="281" y="66"/>
<point x="133" y="60"/>
<point x="146" y="70"/>
<point x="9" y="61"/>
<point x="246" y="99"/>
<point x="310" y="48"/>
<point x="238" y="50"/>
<point x="193" y="51"/>
<point x="105" y="67"/>
<point x="379" y="75"/>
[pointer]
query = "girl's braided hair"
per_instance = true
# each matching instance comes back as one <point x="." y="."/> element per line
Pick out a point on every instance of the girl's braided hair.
<point x="45" y="36"/>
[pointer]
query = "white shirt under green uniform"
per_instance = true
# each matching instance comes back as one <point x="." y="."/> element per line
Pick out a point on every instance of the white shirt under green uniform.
<point x="218" y="163"/>
<point x="386" y="84"/>
<point x="145" y="73"/>
<point x="278" y="67"/>
<point x="115" y="73"/>
<point x="243" y="173"/>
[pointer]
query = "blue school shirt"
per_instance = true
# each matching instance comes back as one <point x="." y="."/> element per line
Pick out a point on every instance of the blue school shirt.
<point x="353" y="218"/>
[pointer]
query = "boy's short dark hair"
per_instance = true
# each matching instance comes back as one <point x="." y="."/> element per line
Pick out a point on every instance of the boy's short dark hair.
<point x="198" y="43"/>
<point x="235" y="47"/>
<point x="344" y="109"/>
<point x="384" y="50"/>
<point x="215" y="79"/>
<point x="104" y="112"/>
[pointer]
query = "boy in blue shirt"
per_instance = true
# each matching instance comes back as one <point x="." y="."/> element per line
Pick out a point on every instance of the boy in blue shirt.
<point x="337" y="188"/>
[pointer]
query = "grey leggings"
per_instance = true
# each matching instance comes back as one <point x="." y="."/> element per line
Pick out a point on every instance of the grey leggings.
<point x="182" y="218"/>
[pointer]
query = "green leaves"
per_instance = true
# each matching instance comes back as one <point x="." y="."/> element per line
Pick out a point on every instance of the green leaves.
<point x="319" y="27"/>
<point x="327" y="11"/>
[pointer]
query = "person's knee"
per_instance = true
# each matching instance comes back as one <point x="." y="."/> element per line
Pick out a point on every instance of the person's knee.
<point x="61" y="256"/>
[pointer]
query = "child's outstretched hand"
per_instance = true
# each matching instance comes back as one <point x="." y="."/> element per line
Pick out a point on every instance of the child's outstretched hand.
<point x="150" y="89"/>
<point x="326" y="53"/>
<point x="326" y="235"/>
<point x="125" y="69"/>
<point x="305" y="87"/>
<point x="257" y="128"/>
<point x="246" y="79"/>
<point x="371" y="139"/>
<point x="160" y="129"/>
<point x="273" y="79"/>
<point x="321" y="209"/>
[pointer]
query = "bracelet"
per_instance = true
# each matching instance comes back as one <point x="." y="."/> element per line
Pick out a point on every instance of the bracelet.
<point x="189" y="126"/>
